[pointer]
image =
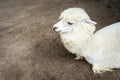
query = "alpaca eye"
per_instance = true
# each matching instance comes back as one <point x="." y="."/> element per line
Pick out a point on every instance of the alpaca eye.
<point x="69" y="23"/>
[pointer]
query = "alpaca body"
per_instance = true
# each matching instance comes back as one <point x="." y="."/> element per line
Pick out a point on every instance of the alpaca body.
<point x="101" y="49"/>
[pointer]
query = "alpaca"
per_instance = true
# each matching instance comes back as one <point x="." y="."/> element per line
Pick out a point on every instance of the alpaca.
<point x="77" y="33"/>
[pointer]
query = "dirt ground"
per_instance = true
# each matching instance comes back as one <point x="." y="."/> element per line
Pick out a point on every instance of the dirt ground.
<point x="30" y="50"/>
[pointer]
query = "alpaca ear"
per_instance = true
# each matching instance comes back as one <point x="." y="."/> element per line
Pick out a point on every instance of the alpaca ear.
<point x="89" y="21"/>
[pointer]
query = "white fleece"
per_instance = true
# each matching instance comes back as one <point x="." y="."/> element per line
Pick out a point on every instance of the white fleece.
<point x="101" y="49"/>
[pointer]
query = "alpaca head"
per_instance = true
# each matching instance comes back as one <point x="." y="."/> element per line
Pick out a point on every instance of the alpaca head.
<point x="71" y="19"/>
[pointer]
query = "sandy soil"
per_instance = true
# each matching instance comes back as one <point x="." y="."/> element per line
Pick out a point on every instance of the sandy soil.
<point x="30" y="50"/>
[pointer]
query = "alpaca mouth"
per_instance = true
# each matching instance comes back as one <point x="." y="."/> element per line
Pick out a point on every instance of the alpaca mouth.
<point x="57" y="31"/>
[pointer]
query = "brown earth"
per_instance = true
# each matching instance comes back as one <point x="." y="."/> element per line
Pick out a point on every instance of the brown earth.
<point x="30" y="50"/>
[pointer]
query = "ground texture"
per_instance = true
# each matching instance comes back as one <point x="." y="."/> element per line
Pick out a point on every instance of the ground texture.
<point x="30" y="50"/>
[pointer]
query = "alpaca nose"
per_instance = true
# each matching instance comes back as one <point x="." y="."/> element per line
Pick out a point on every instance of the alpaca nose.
<point x="54" y="28"/>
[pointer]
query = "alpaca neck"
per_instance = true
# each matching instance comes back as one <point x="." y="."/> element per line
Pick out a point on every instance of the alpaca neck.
<point x="79" y="37"/>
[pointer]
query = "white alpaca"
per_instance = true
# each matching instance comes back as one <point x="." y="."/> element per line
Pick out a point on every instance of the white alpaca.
<point x="101" y="49"/>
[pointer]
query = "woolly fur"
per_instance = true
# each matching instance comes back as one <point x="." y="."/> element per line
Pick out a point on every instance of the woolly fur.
<point x="101" y="49"/>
